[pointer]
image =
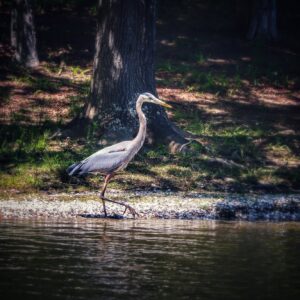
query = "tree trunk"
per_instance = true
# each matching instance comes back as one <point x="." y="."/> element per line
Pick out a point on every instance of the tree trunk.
<point x="263" y="23"/>
<point x="124" y="68"/>
<point x="242" y="15"/>
<point x="23" y="38"/>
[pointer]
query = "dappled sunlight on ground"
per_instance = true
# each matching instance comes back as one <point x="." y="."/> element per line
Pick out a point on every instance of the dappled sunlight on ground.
<point x="240" y="102"/>
<point x="270" y="96"/>
<point x="41" y="95"/>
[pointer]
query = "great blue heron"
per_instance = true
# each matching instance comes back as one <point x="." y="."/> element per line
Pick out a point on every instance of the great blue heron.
<point x="115" y="158"/>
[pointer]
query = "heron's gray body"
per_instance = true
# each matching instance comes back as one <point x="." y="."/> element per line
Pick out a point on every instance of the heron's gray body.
<point x="106" y="161"/>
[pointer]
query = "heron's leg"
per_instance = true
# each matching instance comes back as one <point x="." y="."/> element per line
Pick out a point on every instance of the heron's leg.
<point x="107" y="178"/>
<point x="104" y="207"/>
<point x="131" y="209"/>
<point x="124" y="210"/>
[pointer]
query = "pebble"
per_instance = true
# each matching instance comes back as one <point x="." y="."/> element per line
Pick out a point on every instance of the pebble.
<point x="155" y="204"/>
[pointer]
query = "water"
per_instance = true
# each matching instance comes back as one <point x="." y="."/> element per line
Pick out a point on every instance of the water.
<point x="95" y="259"/>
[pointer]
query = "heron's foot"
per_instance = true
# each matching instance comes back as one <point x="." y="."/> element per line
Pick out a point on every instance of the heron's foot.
<point x="131" y="210"/>
<point x="127" y="207"/>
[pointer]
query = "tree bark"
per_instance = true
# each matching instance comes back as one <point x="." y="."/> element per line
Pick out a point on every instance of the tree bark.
<point x="263" y="23"/>
<point x="23" y="36"/>
<point x="123" y="68"/>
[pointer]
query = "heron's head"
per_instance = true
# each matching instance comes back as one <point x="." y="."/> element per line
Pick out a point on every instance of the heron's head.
<point x="147" y="97"/>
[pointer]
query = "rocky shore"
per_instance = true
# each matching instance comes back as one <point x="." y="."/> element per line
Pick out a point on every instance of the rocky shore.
<point x="155" y="204"/>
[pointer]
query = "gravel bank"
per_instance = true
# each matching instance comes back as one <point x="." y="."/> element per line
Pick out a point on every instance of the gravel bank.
<point x="166" y="205"/>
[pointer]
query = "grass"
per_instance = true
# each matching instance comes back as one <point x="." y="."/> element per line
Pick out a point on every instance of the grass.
<point x="37" y="83"/>
<point x="194" y="79"/>
<point x="201" y="71"/>
<point x="229" y="156"/>
<point x="241" y="144"/>
<point x="27" y="159"/>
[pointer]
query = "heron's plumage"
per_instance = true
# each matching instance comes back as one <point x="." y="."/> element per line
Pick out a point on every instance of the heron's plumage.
<point x="104" y="161"/>
<point x="116" y="157"/>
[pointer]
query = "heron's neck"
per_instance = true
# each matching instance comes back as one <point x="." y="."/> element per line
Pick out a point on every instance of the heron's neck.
<point x="143" y="122"/>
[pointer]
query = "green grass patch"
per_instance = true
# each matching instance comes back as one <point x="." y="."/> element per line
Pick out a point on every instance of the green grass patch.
<point x="33" y="162"/>
<point x="37" y="83"/>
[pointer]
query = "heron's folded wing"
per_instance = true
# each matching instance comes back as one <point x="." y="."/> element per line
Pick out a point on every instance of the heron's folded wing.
<point x="104" y="162"/>
<point x="120" y="147"/>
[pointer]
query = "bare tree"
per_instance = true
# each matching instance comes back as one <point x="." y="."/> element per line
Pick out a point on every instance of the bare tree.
<point x="264" y="20"/>
<point x="124" y="68"/>
<point x="23" y="36"/>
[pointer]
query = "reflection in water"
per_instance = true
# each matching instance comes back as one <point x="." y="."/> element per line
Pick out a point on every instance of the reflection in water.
<point x="95" y="259"/>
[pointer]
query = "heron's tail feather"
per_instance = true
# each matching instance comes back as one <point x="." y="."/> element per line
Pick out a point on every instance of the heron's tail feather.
<point x="74" y="169"/>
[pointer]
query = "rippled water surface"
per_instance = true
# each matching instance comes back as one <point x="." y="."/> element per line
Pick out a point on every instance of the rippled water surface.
<point x="95" y="259"/>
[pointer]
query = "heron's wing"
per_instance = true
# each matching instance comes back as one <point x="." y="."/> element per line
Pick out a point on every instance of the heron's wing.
<point x="104" y="162"/>
<point x="120" y="147"/>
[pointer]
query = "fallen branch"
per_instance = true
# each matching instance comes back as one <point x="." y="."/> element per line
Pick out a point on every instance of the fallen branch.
<point x="226" y="162"/>
<point x="223" y="161"/>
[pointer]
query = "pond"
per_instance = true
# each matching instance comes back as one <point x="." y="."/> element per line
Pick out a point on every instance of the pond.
<point x="149" y="259"/>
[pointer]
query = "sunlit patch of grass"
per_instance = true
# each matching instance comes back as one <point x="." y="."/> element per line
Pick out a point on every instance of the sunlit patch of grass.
<point x="157" y="153"/>
<point x="193" y="122"/>
<point x="23" y="152"/>
<point x="241" y="131"/>
<point x="20" y="181"/>
<point x="78" y="71"/>
<point x="20" y="140"/>
<point x="199" y="81"/>
<point x="262" y="175"/>
<point x="52" y="67"/>
<point x="182" y="172"/>
<point x="37" y="83"/>
<point x="201" y="128"/>
<point x="279" y="147"/>
<point x="281" y="153"/>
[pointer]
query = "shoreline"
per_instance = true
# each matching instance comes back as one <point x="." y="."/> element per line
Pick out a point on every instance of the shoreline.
<point x="155" y="205"/>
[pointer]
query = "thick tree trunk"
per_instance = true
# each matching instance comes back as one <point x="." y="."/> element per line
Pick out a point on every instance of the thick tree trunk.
<point x="124" y="68"/>
<point x="23" y="38"/>
<point x="242" y="15"/>
<point x="263" y="23"/>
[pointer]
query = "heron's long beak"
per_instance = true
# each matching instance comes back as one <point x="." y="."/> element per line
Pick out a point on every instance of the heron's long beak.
<point x="162" y="103"/>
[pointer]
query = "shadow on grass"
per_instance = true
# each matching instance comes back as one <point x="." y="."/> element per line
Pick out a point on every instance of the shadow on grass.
<point x="201" y="56"/>
<point x="25" y="155"/>
<point x="5" y="92"/>
<point x="35" y="96"/>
